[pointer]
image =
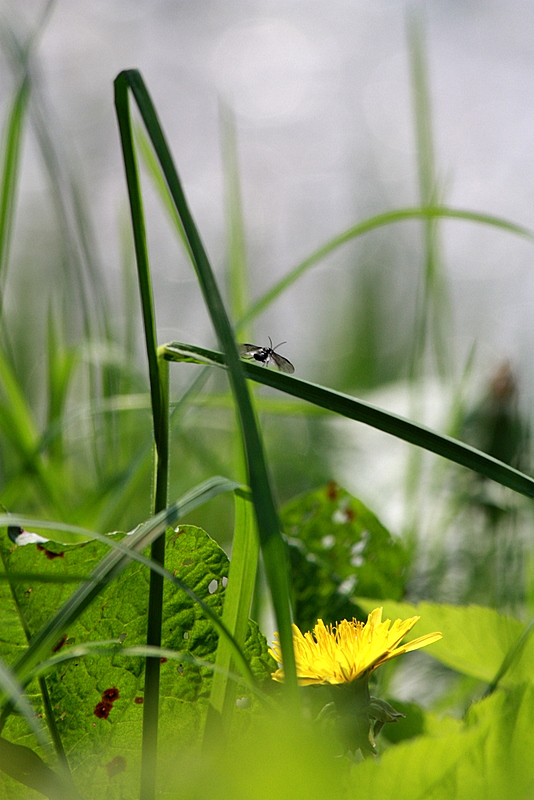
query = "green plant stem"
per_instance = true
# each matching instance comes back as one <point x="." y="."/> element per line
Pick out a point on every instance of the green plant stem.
<point x="159" y="391"/>
<point x="155" y="599"/>
<point x="237" y="602"/>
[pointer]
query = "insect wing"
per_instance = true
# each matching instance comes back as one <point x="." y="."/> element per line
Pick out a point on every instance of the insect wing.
<point x="282" y="363"/>
<point x="248" y="350"/>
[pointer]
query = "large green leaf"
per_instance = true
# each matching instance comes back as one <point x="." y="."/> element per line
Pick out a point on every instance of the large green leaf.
<point x="489" y="760"/>
<point x="76" y="687"/>
<point x="475" y="642"/>
<point x="338" y="547"/>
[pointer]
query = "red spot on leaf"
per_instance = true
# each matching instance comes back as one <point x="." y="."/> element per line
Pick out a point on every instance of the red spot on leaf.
<point x="349" y="513"/>
<point x="163" y="660"/>
<point x="110" y="695"/>
<point x="332" y="490"/>
<point x="139" y="700"/>
<point x="116" y="766"/>
<point x="102" y="709"/>
<point x="60" y="644"/>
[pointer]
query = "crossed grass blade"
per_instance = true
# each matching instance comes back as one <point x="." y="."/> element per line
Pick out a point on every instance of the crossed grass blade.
<point x="360" y="411"/>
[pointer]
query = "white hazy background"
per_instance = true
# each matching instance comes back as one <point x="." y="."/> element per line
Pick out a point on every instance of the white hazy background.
<point x="322" y="98"/>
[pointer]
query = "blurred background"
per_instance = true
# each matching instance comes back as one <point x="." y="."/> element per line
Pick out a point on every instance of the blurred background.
<point x="324" y="114"/>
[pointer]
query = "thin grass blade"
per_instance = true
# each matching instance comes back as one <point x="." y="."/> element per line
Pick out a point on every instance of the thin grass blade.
<point x="358" y="410"/>
<point x="236" y="610"/>
<point x="387" y="218"/>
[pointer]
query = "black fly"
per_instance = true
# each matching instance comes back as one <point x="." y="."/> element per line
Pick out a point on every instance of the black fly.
<point x="267" y="356"/>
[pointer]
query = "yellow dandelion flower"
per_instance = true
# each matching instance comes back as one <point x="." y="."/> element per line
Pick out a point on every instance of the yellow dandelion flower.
<point x="347" y="651"/>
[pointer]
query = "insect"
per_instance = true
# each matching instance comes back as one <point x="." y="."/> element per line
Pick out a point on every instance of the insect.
<point x="267" y="356"/>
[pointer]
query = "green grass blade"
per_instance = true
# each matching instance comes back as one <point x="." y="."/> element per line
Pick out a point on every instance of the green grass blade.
<point x="237" y="252"/>
<point x="14" y="692"/>
<point x="9" y="172"/>
<point x="159" y="394"/>
<point x="25" y="766"/>
<point x="152" y="167"/>
<point x="78" y="245"/>
<point x="236" y="610"/>
<point x="155" y="597"/>
<point x="61" y="362"/>
<point x="20" y="428"/>
<point x="358" y="410"/>
<point x="432" y="314"/>
<point x="273" y="547"/>
<point x="141" y="252"/>
<point x="14" y="129"/>
<point x="387" y="218"/>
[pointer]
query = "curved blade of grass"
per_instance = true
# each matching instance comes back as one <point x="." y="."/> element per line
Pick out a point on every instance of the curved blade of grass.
<point x="387" y="218"/>
<point x="358" y="410"/>
<point x="273" y="546"/>
<point x="112" y="564"/>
